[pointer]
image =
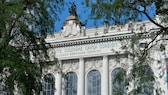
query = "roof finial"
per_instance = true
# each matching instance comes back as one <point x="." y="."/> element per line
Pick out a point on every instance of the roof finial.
<point x="72" y="10"/>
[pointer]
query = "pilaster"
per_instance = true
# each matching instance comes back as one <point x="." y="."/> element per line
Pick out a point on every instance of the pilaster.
<point x="59" y="79"/>
<point x="105" y="77"/>
<point x="81" y="78"/>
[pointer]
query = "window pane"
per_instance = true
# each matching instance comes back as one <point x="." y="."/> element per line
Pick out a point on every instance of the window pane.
<point x="49" y="82"/>
<point x="147" y="86"/>
<point x="71" y="84"/>
<point x="167" y="70"/>
<point x="94" y="83"/>
<point x="118" y="82"/>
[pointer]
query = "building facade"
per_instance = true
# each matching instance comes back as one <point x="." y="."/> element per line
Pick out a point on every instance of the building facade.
<point x="88" y="61"/>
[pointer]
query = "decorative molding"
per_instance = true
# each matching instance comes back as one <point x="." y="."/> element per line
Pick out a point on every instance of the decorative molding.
<point x="98" y="62"/>
<point x="93" y="63"/>
<point x="98" y="39"/>
<point x="112" y="63"/>
<point x="70" y="65"/>
<point x="118" y="61"/>
<point x="71" y="30"/>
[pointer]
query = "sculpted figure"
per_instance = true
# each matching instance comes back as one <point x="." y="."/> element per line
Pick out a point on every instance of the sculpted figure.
<point x="72" y="10"/>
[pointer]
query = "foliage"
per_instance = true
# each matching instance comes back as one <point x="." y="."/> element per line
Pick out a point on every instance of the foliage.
<point x="23" y="28"/>
<point x="118" y="82"/>
<point x="123" y="11"/>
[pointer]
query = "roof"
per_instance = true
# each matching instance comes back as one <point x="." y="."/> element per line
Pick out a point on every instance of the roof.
<point x="71" y="17"/>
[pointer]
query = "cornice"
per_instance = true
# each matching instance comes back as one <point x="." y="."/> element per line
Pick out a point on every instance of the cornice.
<point x="99" y="39"/>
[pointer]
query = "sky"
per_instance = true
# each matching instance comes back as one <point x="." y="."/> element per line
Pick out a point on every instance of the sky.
<point x="83" y="14"/>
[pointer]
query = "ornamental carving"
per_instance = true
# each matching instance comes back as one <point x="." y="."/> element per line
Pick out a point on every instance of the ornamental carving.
<point x="93" y="63"/>
<point x="70" y="65"/>
<point x="70" y="29"/>
<point x="119" y="61"/>
<point x="65" y="65"/>
<point x="112" y="62"/>
<point x="98" y="62"/>
<point x="75" y="64"/>
<point x="88" y="63"/>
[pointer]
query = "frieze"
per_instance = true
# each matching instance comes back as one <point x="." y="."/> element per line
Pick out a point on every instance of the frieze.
<point x="98" y="39"/>
<point x="70" y="65"/>
<point x="87" y="41"/>
<point x="84" y="50"/>
<point x="89" y="47"/>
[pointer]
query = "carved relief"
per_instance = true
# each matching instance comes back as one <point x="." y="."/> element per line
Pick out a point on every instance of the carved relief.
<point x="88" y="63"/>
<point x="119" y="61"/>
<point x="112" y="62"/>
<point x="70" y="30"/>
<point x="70" y="65"/>
<point x="124" y="65"/>
<point x="93" y="63"/>
<point x="65" y="65"/>
<point x="98" y="62"/>
<point x="50" y="69"/>
<point x="65" y="32"/>
<point x="75" y="64"/>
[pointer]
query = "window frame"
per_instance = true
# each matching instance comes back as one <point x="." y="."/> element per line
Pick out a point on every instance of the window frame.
<point x="113" y="73"/>
<point x="94" y="82"/>
<point x="74" y="83"/>
<point x="49" y="84"/>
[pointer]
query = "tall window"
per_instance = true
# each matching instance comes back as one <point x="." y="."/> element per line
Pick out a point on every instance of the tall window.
<point x="94" y="83"/>
<point x="48" y="87"/>
<point x="71" y="84"/>
<point x="118" y="81"/>
<point x="143" y="80"/>
<point x="146" y="81"/>
<point x="167" y="70"/>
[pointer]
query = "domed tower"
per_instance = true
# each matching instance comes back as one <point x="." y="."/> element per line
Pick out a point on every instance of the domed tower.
<point x="72" y="26"/>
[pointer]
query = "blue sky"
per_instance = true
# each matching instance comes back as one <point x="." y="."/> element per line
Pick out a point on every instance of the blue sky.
<point x="83" y="14"/>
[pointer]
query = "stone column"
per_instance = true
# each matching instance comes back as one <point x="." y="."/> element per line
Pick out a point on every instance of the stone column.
<point x="105" y="77"/>
<point x="81" y="78"/>
<point x="59" y="79"/>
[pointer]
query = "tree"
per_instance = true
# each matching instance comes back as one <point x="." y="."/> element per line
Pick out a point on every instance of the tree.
<point x="23" y="28"/>
<point x="123" y="11"/>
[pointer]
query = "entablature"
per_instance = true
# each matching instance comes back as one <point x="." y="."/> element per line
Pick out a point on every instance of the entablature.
<point x="101" y="38"/>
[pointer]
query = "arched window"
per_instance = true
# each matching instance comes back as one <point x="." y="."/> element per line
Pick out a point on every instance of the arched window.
<point x="118" y="81"/>
<point x="71" y="84"/>
<point x="48" y="86"/>
<point x="94" y="83"/>
<point x="146" y="81"/>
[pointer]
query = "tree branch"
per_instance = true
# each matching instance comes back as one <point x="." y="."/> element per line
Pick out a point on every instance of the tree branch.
<point x="146" y="14"/>
<point x="154" y="39"/>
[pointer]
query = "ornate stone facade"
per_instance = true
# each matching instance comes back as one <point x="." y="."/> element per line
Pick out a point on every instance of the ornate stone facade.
<point x="83" y="52"/>
<point x="70" y="65"/>
<point x="93" y="63"/>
